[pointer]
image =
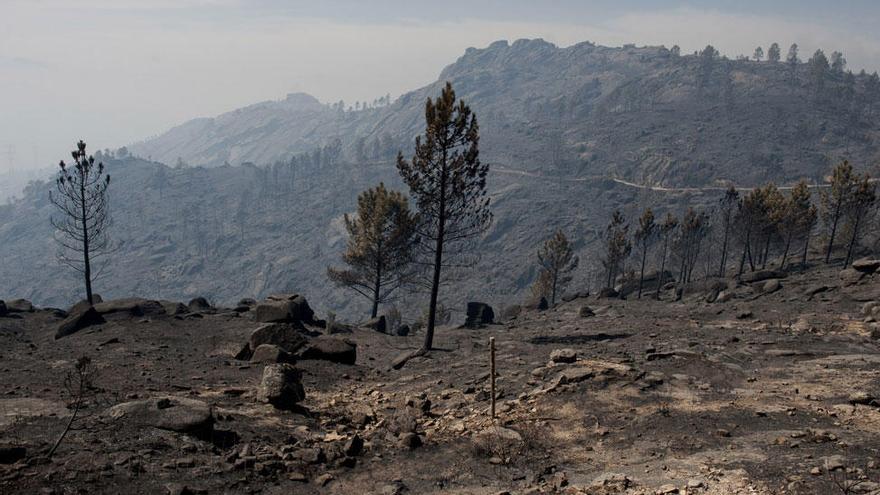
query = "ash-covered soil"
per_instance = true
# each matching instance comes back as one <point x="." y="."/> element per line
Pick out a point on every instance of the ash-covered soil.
<point x="766" y="393"/>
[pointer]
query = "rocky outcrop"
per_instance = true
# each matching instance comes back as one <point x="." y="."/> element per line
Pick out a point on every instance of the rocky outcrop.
<point x="866" y="265"/>
<point x="19" y="306"/>
<point x="286" y="336"/>
<point x="268" y="353"/>
<point x="178" y="414"/>
<point x="133" y="306"/>
<point x="77" y="320"/>
<point x="330" y="349"/>
<point x="281" y="386"/>
<point x="478" y="315"/>
<point x="199" y="304"/>
<point x="290" y="308"/>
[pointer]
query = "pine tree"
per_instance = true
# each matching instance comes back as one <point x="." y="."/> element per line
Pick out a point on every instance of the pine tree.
<point x="773" y="53"/>
<point x="448" y="182"/>
<point x="818" y="72"/>
<point x="557" y="260"/>
<point x="645" y="236"/>
<point x="759" y="54"/>
<point x="727" y="212"/>
<point x="380" y="246"/>
<point x="797" y="220"/>
<point x="838" y="62"/>
<point x="617" y="247"/>
<point x="834" y="201"/>
<point x="81" y="228"/>
<point x="667" y="230"/>
<point x="861" y="201"/>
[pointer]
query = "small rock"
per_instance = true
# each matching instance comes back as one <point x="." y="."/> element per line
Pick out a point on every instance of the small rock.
<point x="409" y="440"/>
<point x="586" y="312"/>
<point x="354" y="446"/>
<point x="281" y="386"/>
<point x="563" y="355"/>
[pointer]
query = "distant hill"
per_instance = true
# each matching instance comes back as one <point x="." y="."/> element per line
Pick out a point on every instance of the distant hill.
<point x="571" y="134"/>
<point x="638" y="113"/>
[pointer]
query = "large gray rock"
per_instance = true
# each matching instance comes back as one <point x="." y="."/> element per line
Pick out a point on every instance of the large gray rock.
<point x="724" y="296"/>
<point x="268" y="353"/>
<point x="771" y="285"/>
<point x="331" y="349"/>
<point x="284" y="308"/>
<point x="199" y="304"/>
<point x="132" y="306"/>
<point x="478" y="315"/>
<point x="284" y="335"/>
<point x="281" y="386"/>
<point x="866" y="265"/>
<point x="77" y="320"/>
<point x="19" y="306"/>
<point x="174" y="308"/>
<point x="178" y="414"/>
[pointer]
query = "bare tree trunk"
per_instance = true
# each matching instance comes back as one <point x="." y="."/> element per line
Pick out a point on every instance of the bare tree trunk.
<point x="662" y="273"/>
<point x="804" y="256"/>
<point x="833" y="233"/>
<point x="642" y="272"/>
<point x="852" y="241"/>
<point x="785" y="253"/>
<point x="438" y="261"/>
<point x="724" y="250"/>
<point x="766" y="253"/>
<point x="87" y="266"/>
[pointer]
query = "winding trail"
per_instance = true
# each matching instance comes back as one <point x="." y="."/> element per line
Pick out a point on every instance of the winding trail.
<point x="595" y="178"/>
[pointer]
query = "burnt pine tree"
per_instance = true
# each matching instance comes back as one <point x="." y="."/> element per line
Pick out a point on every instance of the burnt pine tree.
<point x="557" y="260"/>
<point x="797" y="219"/>
<point x="728" y="206"/>
<point x="862" y="200"/>
<point x="667" y="229"/>
<point x="81" y="227"/>
<point x="448" y="182"/>
<point x="381" y="241"/>
<point x="834" y="201"/>
<point x="645" y="235"/>
<point x="617" y="247"/>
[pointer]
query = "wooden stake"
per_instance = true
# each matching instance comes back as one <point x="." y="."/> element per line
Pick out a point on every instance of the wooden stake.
<point x="492" y="372"/>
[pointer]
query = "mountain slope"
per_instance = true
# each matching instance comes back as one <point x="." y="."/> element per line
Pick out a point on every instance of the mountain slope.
<point x="556" y="124"/>
<point x="642" y="114"/>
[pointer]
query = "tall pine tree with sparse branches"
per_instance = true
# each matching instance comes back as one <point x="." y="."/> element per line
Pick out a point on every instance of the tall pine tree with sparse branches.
<point x="448" y="182"/>
<point x="81" y="228"/>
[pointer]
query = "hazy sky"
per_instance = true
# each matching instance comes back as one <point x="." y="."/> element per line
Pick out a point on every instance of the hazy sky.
<point x="117" y="71"/>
